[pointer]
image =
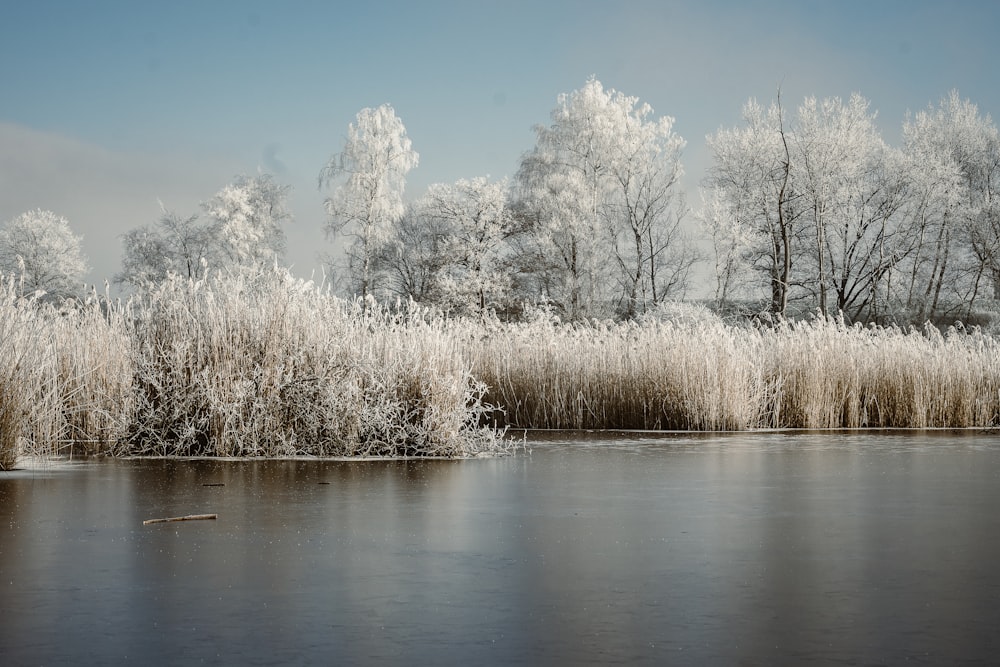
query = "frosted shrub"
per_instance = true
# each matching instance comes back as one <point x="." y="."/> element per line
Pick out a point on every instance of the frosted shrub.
<point x="681" y="313"/>
<point x="269" y="366"/>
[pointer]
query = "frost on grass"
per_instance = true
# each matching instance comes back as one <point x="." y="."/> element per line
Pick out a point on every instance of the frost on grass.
<point x="235" y="366"/>
<point x="269" y="366"/>
<point x="687" y="371"/>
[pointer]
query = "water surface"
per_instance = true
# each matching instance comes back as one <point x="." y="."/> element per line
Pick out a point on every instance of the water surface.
<point x="674" y="549"/>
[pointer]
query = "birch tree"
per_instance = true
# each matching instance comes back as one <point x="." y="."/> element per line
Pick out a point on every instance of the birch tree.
<point x="242" y="230"/>
<point x="601" y="183"/>
<point x="952" y="155"/>
<point x="751" y="173"/>
<point x="248" y="217"/>
<point x="41" y="250"/>
<point x="370" y="173"/>
<point x="474" y="274"/>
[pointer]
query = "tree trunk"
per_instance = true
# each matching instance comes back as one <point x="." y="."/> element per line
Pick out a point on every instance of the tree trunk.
<point x="820" y="258"/>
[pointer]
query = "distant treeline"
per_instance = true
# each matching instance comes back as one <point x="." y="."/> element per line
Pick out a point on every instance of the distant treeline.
<point x="804" y="208"/>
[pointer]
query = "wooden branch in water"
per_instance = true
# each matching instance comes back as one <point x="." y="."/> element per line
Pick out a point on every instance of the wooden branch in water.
<point x="189" y="517"/>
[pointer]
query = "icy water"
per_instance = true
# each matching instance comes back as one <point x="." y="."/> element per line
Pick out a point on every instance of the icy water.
<point x="828" y="548"/>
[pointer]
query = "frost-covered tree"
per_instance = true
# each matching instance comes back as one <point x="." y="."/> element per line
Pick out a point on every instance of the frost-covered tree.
<point x="40" y="248"/>
<point x="851" y="189"/>
<point x="732" y="242"/>
<point x="937" y="266"/>
<point x="249" y="216"/>
<point x="601" y="184"/>
<point x="750" y="182"/>
<point x="474" y="272"/>
<point x="953" y="158"/>
<point x="644" y="210"/>
<point x="566" y="249"/>
<point x="183" y="246"/>
<point x="933" y="208"/>
<point x="242" y="231"/>
<point x="813" y="203"/>
<point x="867" y="240"/>
<point x="840" y="220"/>
<point x="371" y="175"/>
<point x="413" y="256"/>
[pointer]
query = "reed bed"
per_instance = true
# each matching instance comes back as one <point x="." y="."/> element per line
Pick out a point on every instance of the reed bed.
<point x="234" y="366"/>
<point x="19" y="359"/>
<point x="707" y="375"/>
<point x="64" y="376"/>
<point x="271" y="366"/>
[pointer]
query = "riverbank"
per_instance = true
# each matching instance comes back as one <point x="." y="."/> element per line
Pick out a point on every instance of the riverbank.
<point x="274" y="367"/>
<point x="234" y="366"/>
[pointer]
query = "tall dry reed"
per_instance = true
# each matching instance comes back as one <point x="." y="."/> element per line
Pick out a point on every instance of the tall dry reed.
<point x="20" y="358"/>
<point x="271" y="366"/>
<point x="65" y="376"/>
<point x="706" y="375"/>
<point x="234" y="366"/>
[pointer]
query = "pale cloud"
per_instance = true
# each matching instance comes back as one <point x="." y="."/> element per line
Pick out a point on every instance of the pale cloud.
<point x="103" y="193"/>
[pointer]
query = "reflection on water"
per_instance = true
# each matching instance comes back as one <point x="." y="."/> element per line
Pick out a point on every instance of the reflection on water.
<point x="753" y="548"/>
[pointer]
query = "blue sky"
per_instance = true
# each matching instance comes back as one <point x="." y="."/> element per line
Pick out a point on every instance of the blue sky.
<point x="107" y="108"/>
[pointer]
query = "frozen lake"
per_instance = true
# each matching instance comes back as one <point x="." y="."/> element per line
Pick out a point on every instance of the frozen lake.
<point x="669" y="549"/>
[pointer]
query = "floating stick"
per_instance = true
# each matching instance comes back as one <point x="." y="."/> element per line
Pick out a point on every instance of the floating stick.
<point x="189" y="517"/>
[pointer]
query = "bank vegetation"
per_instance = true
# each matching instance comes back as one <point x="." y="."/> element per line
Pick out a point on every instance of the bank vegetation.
<point x="233" y="366"/>
<point x="270" y="366"/>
